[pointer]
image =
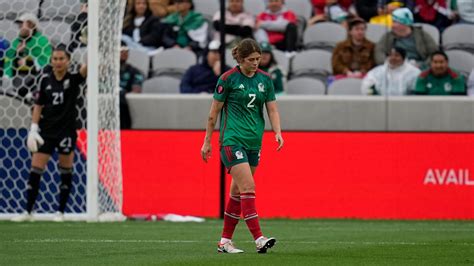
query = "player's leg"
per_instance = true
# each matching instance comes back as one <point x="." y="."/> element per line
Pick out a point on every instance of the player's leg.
<point x="65" y="169"/>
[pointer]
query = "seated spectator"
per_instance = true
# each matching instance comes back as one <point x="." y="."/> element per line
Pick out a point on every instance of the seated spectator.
<point x="162" y="8"/>
<point x="202" y="78"/>
<point x="464" y="10"/>
<point x="388" y="6"/>
<point x="330" y="10"/>
<point x="395" y="77"/>
<point x="470" y="84"/>
<point x="417" y="43"/>
<point x="4" y="44"/>
<point x="189" y="27"/>
<point x="238" y="24"/>
<point x="384" y="17"/>
<point x="131" y="81"/>
<point x="434" y="12"/>
<point x="27" y="55"/>
<point x="354" y="57"/>
<point x="277" y="25"/>
<point x="77" y="28"/>
<point x="439" y="79"/>
<point x="270" y="65"/>
<point x="143" y="31"/>
<point x="366" y="9"/>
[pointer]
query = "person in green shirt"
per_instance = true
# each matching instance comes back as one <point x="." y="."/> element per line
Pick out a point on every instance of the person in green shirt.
<point x="241" y="93"/>
<point x="189" y="27"/>
<point x="439" y="79"/>
<point x="270" y="65"/>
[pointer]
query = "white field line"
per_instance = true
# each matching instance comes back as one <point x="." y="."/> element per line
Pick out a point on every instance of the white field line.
<point x="118" y="241"/>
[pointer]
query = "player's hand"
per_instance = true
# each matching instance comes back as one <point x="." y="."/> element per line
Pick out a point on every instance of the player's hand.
<point x="34" y="140"/>
<point x="279" y="139"/>
<point x="206" y="151"/>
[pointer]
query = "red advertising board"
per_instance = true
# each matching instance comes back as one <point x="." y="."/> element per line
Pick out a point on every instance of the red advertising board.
<point x="316" y="175"/>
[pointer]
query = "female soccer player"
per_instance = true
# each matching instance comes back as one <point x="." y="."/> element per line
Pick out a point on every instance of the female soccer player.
<point x="242" y="92"/>
<point x="55" y="114"/>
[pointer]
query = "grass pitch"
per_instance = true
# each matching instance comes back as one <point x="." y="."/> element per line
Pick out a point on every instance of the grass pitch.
<point x="299" y="242"/>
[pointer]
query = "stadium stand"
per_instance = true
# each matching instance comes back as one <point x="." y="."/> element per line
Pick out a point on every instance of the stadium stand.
<point x="8" y="29"/>
<point x="10" y="9"/>
<point x="324" y="35"/>
<point x="347" y="86"/>
<point x="459" y="36"/>
<point x="56" y="31"/>
<point x="64" y="10"/>
<point x="161" y="84"/>
<point x="431" y="30"/>
<point x="313" y="63"/>
<point x="207" y="8"/>
<point x="375" y="32"/>
<point x="301" y="8"/>
<point x="254" y="7"/>
<point x="173" y="62"/>
<point x="140" y="60"/>
<point x="305" y="85"/>
<point x="461" y="61"/>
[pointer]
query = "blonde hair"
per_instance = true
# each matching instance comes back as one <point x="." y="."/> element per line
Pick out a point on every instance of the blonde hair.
<point x="245" y="48"/>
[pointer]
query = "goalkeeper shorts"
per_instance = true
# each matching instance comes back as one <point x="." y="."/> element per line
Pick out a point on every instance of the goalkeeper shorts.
<point x="65" y="144"/>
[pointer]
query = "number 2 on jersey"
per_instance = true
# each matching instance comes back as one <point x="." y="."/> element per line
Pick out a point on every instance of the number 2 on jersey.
<point x="58" y="98"/>
<point x="252" y="96"/>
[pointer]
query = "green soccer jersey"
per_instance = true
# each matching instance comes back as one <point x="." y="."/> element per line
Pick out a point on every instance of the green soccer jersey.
<point x="242" y="122"/>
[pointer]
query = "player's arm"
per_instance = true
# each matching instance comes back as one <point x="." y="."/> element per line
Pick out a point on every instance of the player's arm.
<point x="216" y="108"/>
<point x="34" y="138"/>
<point x="83" y="70"/>
<point x="274" y="116"/>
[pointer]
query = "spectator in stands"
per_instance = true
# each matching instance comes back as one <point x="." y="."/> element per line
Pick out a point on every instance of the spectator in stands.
<point x="143" y="31"/>
<point x="417" y="43"/>
<point x="366" y="9"/>
<point x="189" y="27"/>
<point x="78" y="27"/>
<point x="277" y="25"/>
<point x="470" y="84"/>
<point x="27" y="55"/>
<point x="4" y="44"/>
<point x="202" y="78"/>
<point x="464" y="9"/>
<point x="384" y="17"/>
<point x="388" y="6"/>
<point x="395" y="77"/>
<point x="162" y="8"/>
<point x="440" y="79"/>
<point x="238" y="23"/>
<point x="270" y="65"/>
<point x="131" y="81"/>
<point x="434" y="12"/>
<point x="330" y="10"/>
<point x="354" y="57"/>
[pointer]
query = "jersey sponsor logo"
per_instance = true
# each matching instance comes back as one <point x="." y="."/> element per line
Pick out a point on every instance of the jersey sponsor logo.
<point x="239" y="155"/>
<point x="66" y="84"/>
<point x="220" y="89"/>
<point x="261" y="87"/>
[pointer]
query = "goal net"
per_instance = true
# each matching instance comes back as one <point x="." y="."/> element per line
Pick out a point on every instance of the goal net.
<point x="92" y="34"/>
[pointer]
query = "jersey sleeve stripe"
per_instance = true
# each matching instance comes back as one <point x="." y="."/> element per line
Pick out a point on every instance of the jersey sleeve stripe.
<point x="228" y="73"/>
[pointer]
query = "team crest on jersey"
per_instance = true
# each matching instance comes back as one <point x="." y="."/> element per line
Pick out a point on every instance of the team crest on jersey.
<point x="239" y="155"/>
<point x="448" y="87"/>
<point x="66" y="84"/>
<point x="48" y="87"/>
<point x="220" y="89"/>
<point x="261" y="87"/>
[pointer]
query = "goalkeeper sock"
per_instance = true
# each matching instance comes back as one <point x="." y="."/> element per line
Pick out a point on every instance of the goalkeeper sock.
<point x="32" y="188"/>
<point x="231" y="216"/>
<point x="250" y="214"/>
<point x="65" y="188"/>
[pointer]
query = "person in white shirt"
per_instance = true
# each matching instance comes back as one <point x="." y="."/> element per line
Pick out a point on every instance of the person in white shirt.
<point x="395" y="77"/>
<point x="238" y="23"/>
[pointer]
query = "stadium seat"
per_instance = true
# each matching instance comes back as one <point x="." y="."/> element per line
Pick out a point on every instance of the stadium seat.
<point x="324" y="35"/>
<point x="229" y="60"/>
<point x="173" y="62"/>
<point x="162" y="84"/>
<point x="60" y="9"/>
<point x="140" y="60"/>
<point x="8" y="30"/>
<point x="313" y="63"/>
<point x="56" y="31"/>
<point x="282" y="60"/>
<point x="207" y="8"/>
<point x="254" y="7"/>
<point x="431" y="30"/>
<point x="301" y="8"/>
<point x="347" y="86"/>
<point x="375" y="32"/>
<point x="305" y="85"/>
<point x="461" y="61"/>
<point x="11" y="9"/>
<point x="459" y="36"/>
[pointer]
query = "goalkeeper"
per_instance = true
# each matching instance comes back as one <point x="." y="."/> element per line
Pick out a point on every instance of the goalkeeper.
<point x="53" y="126"/>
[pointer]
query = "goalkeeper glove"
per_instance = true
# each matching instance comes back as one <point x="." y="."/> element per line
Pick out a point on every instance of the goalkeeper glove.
<point x="34" y="138"/>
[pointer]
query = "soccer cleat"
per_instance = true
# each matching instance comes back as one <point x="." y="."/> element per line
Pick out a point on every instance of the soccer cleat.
<point x="24" y="217"/>
<point x="228" y="248"/>
<point x="58" y="217"/>
<point x="264" y="243"/>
